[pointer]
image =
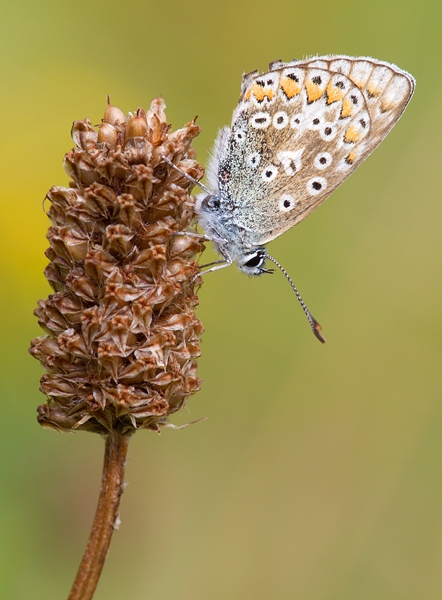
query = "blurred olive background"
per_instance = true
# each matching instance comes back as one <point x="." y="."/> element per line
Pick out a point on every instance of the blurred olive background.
<point x="318" y="474"/>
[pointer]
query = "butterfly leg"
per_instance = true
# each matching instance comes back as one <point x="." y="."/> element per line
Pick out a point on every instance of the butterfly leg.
<point x="219" y="264"/>
<point x="224" y="263"/>
<point x="221" y="261"/>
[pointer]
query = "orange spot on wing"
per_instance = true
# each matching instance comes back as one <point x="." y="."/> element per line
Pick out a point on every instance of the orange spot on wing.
<point x="334" y="93"/>
<point x="352" y="135"/>
<point x="373" y="90"/>
<point x="290" y="87"/>
<point x="350" y="159"/>
<point x="347" y="108"/>
<point x="248" y="94"/>
<point x="386" y="104"/>
<point x="313" y="91"/>
<point x="260" y="92"/>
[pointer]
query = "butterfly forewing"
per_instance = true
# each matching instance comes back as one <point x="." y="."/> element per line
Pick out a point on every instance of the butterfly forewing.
<point x="299" y="131"/>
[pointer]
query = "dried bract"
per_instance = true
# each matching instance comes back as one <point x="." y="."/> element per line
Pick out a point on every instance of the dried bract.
<point x="122" y="334"/>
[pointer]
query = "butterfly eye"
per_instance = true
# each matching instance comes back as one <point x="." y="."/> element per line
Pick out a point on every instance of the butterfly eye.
<point x="254" y="262"/>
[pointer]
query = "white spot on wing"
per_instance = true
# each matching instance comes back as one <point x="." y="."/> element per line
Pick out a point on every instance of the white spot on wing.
<point x="280" y="120"/>
<point x="253" y="159"/>
<point x="328" y="131"/>
<point x="239" y="136"/>
<point x="315" y="122"/>
<point x="323" y="160"/>
<point x="286" y="203"/>
<point x="269" y="173"/>
<point x="296" y="121"/>
<point x="316" y="185"/>
<point x="290" y="160"/>
<point x="364" y="120"/>
<point x="260" y="120"/>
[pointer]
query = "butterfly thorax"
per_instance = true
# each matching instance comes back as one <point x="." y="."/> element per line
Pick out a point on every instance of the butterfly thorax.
<point x="233" y="242"/>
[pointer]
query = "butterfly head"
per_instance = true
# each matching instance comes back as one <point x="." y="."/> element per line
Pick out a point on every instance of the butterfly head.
<point x="252" y="263"/>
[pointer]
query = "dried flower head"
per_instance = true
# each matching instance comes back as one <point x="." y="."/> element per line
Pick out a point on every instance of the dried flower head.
<point x="122" y="334"/>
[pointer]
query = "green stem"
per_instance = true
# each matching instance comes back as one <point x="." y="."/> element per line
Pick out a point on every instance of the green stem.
<point x="105" y="519"/>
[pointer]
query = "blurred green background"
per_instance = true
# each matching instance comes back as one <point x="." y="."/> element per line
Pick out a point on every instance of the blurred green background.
<point x="318" y="474"/>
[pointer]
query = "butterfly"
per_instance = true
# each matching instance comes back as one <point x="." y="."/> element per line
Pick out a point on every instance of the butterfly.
<point x="298" y="132"/>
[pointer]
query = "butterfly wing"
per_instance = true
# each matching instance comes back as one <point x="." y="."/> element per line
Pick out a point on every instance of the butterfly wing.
<point x="299" y="131"/>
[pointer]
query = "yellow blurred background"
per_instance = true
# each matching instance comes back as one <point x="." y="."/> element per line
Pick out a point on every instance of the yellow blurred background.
<point x="318" y="474"/>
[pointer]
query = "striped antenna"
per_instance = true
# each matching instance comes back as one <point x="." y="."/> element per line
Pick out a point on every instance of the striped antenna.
<point x="316" y="328"/>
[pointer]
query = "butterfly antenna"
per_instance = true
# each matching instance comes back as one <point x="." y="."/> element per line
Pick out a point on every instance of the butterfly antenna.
<point x="316" y="328"/>
<point x="189" y="177"/>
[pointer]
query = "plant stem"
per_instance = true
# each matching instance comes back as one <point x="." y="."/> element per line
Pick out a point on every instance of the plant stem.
<point x="105" y="519"/>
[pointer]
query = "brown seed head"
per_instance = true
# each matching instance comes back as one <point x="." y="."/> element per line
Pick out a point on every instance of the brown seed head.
<point x="122" y="334"/>
<point x="113" y="114"/>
